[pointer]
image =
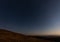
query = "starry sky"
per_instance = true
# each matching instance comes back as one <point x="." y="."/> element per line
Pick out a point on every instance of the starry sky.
<point x="31" y="17"/>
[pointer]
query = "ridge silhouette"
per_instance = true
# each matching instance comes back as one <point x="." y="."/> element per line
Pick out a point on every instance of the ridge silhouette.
<point x="9" y="36"/>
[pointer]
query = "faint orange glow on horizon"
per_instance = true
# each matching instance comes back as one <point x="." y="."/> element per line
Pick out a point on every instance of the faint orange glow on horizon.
<point x="49" y="32"/>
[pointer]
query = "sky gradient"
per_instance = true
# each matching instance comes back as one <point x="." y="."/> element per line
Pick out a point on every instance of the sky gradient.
<point x="32" y="17"/>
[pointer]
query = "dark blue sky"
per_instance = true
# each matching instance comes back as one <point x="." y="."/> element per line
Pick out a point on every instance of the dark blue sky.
<point x="30" y="16"/>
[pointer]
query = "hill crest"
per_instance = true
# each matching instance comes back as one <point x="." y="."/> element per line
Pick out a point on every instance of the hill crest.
<point x="8" y="36"/>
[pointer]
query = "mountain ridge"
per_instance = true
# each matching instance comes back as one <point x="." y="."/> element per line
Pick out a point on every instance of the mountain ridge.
<point x="9" y="36"/>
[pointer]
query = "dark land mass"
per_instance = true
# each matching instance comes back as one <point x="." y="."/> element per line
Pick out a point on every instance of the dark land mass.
<point x="50" y="38"/>
<point x="8" y="36"/>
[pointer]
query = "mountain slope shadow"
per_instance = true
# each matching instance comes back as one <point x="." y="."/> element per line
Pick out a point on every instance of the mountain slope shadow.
<point x="8" y="36"/>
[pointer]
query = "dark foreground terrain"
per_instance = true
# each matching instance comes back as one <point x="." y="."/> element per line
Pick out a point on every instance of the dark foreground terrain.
<point x="50" y="38"/>
<point x="8" y="36"/>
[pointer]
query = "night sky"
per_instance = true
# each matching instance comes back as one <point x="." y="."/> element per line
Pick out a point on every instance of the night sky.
<point x="32" y="17"/>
